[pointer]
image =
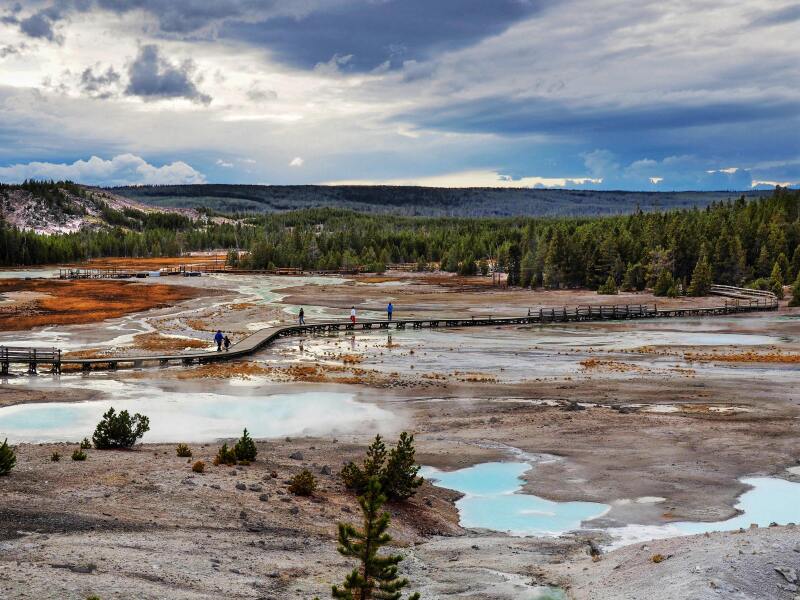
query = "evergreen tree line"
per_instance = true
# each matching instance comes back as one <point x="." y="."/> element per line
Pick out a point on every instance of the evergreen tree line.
<point x="733" y="242"/>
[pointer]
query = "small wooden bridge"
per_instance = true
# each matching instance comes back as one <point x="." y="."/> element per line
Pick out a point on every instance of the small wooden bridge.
<point x="745" y="301"/>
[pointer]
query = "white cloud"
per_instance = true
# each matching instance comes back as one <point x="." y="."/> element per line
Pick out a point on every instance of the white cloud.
<point x="124" y="169"/>
<point x="224" y="164"/>
<point x="474" y="178"/>
<point x="297" y="161"/>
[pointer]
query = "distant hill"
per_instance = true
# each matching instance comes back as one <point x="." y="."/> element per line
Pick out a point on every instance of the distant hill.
<point x="50" y="207"/>
<point x="408" y="200"/>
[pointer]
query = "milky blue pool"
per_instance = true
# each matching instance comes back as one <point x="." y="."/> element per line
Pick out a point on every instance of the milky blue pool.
<point x="770" y="500"/>
<point x="491" y="500"/>
<point x="196" y="416"/>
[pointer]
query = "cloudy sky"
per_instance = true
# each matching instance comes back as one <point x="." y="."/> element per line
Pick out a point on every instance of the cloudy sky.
<point x="606" y="94"/>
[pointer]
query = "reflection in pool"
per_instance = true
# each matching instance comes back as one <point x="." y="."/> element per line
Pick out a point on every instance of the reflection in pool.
<point x="196" y="417"/>
<point x="490" y="501"/>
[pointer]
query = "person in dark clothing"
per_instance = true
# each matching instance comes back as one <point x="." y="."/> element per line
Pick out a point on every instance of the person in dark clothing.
<point x="218" y="338"/>
<point x="301" y="317"/>
<point x="389" y="311"/>
<point x="227" y="343"/>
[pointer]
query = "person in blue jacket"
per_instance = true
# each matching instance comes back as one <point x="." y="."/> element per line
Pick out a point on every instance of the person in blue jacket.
<point x="389" y="311"/>
<point x="218" y="338"/>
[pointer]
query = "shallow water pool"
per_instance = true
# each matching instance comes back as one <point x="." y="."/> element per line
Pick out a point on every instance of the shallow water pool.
<point x="196" y="417"/>
<point x="491" y="501"/>
<point x="770" y="500"/>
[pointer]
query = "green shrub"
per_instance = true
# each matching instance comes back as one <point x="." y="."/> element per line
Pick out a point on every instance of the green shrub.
<point x="183" y="451"/>
<point x="119" y="430"/>
<point x="303" y="484"/>
<point x="762" y="283"/>
<point x="245" y="448"/>
<point x="79" y="454"/>
<point x="55" y="457"/>
<point x="225" y="456"/>
<point x="8" y="458"/>
<point x="86" y="444"/>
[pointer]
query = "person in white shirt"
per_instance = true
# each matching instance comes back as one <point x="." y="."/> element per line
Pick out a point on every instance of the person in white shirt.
<point x="353" y="315"/>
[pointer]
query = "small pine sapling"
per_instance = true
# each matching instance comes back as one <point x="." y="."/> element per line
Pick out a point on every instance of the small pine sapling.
<point x="8" y="458"/>
<point x="245" y="448"/>
<point x="376" y="576"/>
<point x="225" y="456"/>
<point x="400" y="480"/>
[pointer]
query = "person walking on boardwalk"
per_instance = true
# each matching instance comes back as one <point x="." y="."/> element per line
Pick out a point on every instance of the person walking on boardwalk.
<point x="353" y="315"/>
<point x="226" y="341"/>
<point x="389" y="311"/>
<point x="301" y="317"/>
<point x="218" y="338"/>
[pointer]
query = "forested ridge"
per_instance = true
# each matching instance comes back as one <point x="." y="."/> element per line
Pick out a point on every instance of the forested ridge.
<point x="420" y="201"/>
<point x="732" y="242"/>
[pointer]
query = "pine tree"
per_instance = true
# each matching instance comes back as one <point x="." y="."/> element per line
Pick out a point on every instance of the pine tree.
<point x="786" y="267"/>
<point x="528" y="270"/>
<point x="8" y="458"/>
<point x="355" y="477"/>
<point x="376" y="576"/>
<point x="763" y="262"/>
<point x="664" y="285"/>
<point x="609" y="288"/>
<point x="245" y="448"/>
<point x="794" y="268"/>
<point x="701" y="277"/>
<point x="776" y="281"/>
<point x="399" y="479"/>
<point x="375" y="459"/>
<point x="635" y="279"/>
<point x="795" y="301"/>
<point x="729" y="258"/>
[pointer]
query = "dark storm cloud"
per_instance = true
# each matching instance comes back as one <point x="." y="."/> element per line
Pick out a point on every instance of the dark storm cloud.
<point x="380" y="33"/>
<point x="41" y="23"/>
<point x="787" y="14"/>
<point x="542" y="116"/>
<point x="153" y="77"/>
<point x="186" y="16"/>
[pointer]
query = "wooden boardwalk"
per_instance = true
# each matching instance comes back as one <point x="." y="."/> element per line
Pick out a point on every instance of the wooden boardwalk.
<point x="746" y="301"/>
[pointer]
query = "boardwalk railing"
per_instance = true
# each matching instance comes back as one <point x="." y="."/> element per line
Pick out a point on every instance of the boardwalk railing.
<point x="30" y="356"/>
<point x="264" y="337"/>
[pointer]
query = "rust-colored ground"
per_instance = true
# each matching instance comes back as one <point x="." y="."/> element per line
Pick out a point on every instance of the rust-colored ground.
<point x="154" y="264"/>
<point x="56" y="302"/>
<point x="163" y="343"/>
<point x="744" y="357"/>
